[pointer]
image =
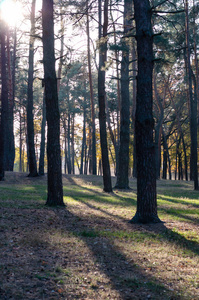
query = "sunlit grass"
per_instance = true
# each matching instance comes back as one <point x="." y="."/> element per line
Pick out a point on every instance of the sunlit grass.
<point x="170" y="254"/>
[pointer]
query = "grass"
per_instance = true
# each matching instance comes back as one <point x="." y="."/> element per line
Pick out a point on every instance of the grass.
<point x="88" y="250"/>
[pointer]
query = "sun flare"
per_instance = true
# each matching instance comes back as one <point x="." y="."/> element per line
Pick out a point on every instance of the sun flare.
<point x="11" y="12"/>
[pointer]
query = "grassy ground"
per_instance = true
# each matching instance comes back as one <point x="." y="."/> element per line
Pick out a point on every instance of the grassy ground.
<point x="88" y="250"/>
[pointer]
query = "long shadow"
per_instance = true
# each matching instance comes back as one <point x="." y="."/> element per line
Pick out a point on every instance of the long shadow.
<point x="183" y="202"/>
<point x="125" y="275"/>
<point x="180" y="215"/>
<point x="163" y="233"/>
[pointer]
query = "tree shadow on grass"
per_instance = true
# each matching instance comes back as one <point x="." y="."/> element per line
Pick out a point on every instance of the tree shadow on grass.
<point x="179" y="214"/>
<point x="125" y="275"/>
<point x="163" y="233"/>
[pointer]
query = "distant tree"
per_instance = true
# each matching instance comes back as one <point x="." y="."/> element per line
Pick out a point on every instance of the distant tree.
<point x="144" y="122"/>
<point x="42" y="145"/>
<point x="10" y="147"/>
<point x="55" y="188"/>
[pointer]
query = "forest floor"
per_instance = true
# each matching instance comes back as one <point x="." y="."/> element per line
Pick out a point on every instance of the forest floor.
<point x="88" y="250"/>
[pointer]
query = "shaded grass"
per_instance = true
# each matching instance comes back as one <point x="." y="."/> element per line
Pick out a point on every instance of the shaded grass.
<point x="92" y="246"/>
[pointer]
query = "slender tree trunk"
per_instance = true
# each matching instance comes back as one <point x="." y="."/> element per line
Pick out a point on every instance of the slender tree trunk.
<point x="193" y="106"/>
<point x="10" y="155"/>
<point x="167" y="151"/>
<point x="30" y="123"/>
<point x="4" y="103"/>
<point x="55" y="188"/>
<point x="180" y="132"/>
<point x="134" y="66"/>
<point x="123" y="162"/>
<point x="158" y="127"/>
<point x="69" y="148"/>
<point x="83" y="138"/>
<point x="144" y="122"/>
<point x="20" y="140"/>
<point x="117" y="131"/>
<point x="101" y="98"/>
<point x="61" y="50"/>
<point x="42" y="145"/>
<point x="94" y="163"/>
<point x="73" y="143"/>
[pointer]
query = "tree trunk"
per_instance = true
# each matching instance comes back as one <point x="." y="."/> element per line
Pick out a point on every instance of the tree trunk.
<point x="4" y="103"/>
<point x="10" y="155"/>
<point x="134" y="66"/>
<point x="73" y="143"/>
<point x="144" y="122"/>
<point x="42" y="145"/>
<point x="167" y="151"/>
<point x="193" y="106"/>
<point x="83" y="138"/>
<point x="30" y="123"/>
<point x="101" y="98"/>
<point x="180" y="132"/>
<point x="69" y="152"/>
<point x="94" y="163"/>
<point x="123" y="161"/>
<point x="55" y="188"/>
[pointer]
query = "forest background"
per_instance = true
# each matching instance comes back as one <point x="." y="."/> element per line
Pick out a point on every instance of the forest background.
<point x="175" y="82"/>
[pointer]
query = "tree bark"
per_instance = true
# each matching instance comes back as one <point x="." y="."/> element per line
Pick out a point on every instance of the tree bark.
<point x="42" y="145"/>
<point x="144" y="122"/>
<point x="30" y="122"/>
<point x="4" y="102"/>
<point x="84" y="137"/>
<point x="101" y="98"/>
<point x="94" y="163"/>
<point x="10" y="154"/>
<point x="55" y="188"/>
<point x="123" y="161"/>
<point x="193" y="105"/>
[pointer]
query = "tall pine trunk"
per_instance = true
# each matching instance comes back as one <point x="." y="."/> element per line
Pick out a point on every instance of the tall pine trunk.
<point x="193" y="105"/>
<point x="101" y="98"/>
<point x="10" y="155"/>
<point x="123" y="161"/>
<point x="93" y="155"/>
<point x="30" y="120"/>
<point x="144" y="122"/>
<point x="4" y="102"/>
<point x="43" y="133"/>
<point x="55" y="188"/>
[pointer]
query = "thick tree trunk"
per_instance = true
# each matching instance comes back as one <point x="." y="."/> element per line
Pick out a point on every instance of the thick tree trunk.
<point x="123" y="161"/>
<point x="30" y="123"/>
<point x="101" y="99"/>
<point x="144" y="122"/>
<point x="55" y="188"/>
